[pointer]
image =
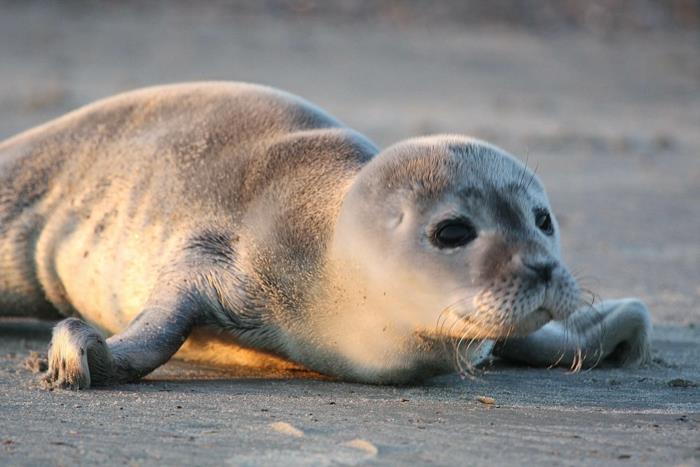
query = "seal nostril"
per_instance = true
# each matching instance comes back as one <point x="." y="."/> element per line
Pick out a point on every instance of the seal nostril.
<point x="543" y="270"/>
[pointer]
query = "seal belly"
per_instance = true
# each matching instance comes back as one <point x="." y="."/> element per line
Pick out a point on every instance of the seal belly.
<point x="102" y="267"/>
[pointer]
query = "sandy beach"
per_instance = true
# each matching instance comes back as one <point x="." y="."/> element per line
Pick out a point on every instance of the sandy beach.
<point x="611" y="122"/>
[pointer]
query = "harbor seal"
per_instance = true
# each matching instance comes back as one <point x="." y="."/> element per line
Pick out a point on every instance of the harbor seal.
<point x="241" y="214"/>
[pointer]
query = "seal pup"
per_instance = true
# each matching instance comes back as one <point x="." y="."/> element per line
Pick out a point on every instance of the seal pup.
<point x="246" y="212"/>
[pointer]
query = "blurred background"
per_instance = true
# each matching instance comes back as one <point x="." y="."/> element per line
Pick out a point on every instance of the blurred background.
<point x="602" y="97"/>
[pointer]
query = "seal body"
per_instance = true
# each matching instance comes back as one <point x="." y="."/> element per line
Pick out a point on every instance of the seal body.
<point x="246" y="212"/>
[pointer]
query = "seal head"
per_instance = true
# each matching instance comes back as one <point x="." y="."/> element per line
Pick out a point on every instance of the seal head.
<point x="447" y="236"/>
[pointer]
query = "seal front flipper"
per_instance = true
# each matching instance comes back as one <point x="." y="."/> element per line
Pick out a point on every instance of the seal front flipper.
<point x="614" y="332"/>
<point x="80" y="357"/>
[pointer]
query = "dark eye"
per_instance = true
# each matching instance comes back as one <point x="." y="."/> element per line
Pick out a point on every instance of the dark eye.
<point x="544" y="221"/>
<point x="453" y="233"/>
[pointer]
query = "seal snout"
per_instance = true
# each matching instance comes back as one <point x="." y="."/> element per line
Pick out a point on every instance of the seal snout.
<point x="522" y="285"/>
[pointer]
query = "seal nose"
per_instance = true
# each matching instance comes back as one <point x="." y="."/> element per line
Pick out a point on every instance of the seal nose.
<point x="542" y="270"/>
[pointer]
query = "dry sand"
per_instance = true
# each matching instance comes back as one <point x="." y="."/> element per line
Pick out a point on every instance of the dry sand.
<point x="612" y="125"/>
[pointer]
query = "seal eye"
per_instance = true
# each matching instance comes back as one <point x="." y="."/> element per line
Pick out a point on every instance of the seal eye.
<point x="544" y="221"/>
<point x="453" y="233"/>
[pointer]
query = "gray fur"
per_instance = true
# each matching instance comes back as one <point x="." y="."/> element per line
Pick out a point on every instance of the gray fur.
<point x="242" y="209"/>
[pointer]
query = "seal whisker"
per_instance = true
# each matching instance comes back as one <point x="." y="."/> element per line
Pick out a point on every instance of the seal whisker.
<point x="466" y="329"/>
<point x="466" y="365"/>
<point x="523" y="173"/>
<point x="440" y="326"/>
<point x="587" y="320"/>
<point x="533" y="176"/>
<point x="449" y="334"/>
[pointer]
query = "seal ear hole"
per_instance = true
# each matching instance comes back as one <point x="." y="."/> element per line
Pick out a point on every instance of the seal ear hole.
<point x="395" y="220"/>
<point x="453" y="233"/>
<point x="543" y="220"/>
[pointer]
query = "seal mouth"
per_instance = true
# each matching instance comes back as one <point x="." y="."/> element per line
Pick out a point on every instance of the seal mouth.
<point x="461" y="325"/>
<point x="533" y="321"/>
